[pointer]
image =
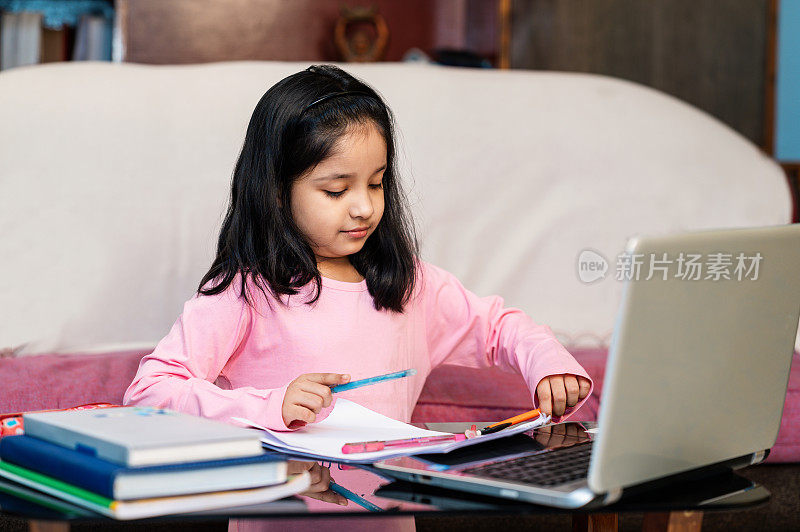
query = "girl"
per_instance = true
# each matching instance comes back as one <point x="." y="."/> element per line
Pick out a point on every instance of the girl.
<point x="317" y="280"/>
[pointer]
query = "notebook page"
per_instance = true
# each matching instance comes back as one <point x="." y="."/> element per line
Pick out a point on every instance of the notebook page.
<point x="350" y="422"/>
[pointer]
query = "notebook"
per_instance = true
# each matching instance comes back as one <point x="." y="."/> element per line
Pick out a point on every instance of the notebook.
<point x="350" y="422"/>
<point x="139" y="436"/>
<point x="695" y="380"/>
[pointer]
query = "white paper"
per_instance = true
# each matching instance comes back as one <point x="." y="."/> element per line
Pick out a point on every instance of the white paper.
<point x="350" y="422"/>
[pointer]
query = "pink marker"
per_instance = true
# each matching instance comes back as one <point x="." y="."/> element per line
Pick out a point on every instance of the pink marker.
<point x="372" y="446"/>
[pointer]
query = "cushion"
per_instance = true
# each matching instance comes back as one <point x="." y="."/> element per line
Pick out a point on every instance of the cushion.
<point x="455" y="393"/>
<point x="44" y="382"/>
<point x="451" y="393"/>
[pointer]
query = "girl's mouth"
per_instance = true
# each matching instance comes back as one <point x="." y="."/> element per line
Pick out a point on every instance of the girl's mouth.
<point x="357" y="233"/>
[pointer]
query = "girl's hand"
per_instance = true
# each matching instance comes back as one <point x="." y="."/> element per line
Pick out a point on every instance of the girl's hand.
<point x="555" y="435"/>
<point x="320" y="481"/>
<point x="307" y="395"/>
<point x="557" y="392"/>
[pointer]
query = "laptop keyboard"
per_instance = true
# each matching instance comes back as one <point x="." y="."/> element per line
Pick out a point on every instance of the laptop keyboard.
<point x="553" y="468"/>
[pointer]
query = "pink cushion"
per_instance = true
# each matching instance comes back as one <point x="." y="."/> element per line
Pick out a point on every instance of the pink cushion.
<point x="44" y="382"/>
<point x="451" y="393"/>
<point x="787" y="448"/>
<point x="454" y="393"/>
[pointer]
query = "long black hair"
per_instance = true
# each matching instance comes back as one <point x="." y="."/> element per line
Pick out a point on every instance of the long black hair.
<point x="294" y="127"/>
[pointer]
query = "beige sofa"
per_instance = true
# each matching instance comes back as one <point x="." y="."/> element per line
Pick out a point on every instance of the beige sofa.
<point x="114" y="177"/>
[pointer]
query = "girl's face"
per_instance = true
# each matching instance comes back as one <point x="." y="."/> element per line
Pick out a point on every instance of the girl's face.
<point x="339" y="203"/>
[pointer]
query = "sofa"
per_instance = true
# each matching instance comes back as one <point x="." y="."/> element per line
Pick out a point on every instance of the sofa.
<point x="114" y="178"/>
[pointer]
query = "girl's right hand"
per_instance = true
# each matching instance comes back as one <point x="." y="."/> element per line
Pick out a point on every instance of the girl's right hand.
<point x="307" y="395"/>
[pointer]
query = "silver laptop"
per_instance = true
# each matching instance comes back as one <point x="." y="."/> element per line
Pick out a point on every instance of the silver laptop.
<point x="695" y="380"/>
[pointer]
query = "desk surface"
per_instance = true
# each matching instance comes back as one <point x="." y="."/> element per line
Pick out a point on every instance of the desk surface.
<point x="387" y="497"/>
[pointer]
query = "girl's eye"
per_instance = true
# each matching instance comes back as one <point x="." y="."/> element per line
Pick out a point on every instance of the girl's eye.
<point x="333" y="194"/>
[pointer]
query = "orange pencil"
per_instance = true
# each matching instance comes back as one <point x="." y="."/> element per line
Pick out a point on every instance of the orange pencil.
<point x="494" y="427"/>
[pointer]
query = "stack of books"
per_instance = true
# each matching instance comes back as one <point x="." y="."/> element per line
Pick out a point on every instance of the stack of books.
<point x="138" y="462"/>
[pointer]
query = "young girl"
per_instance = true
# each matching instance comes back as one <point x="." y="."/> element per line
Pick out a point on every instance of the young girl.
<point x="317" y="281"/>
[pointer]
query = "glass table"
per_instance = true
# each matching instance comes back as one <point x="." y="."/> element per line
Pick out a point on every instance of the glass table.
<point x="359" y="496"/>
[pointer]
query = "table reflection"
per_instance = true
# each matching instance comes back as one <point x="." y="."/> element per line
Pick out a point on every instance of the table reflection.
<point x="356" y="480"/>
<point x="320" y="498"/>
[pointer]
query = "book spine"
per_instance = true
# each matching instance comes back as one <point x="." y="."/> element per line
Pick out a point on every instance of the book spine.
<point x="57" y="488"/>
<point x="72" y="440"/>
<point x="38" y="498"/>
<point x="60" y="463"/>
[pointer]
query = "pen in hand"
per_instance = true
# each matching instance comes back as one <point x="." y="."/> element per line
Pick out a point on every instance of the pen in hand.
<point x="307" y="396"/>
<point x="373" y="380"/>
<point x="309" y="393"/>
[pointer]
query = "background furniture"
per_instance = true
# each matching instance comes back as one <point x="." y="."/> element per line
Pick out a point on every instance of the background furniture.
<point x="114" y="179"/>
<point x="122" y="172"/>
<point x="730" y="58"/>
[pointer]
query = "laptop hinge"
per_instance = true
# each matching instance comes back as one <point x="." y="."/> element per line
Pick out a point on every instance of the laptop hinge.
<point x="612" y="496"/>
<point x="758" y="457"/>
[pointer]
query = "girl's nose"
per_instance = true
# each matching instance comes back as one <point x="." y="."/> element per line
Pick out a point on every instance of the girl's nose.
<point x="361" y="205"/>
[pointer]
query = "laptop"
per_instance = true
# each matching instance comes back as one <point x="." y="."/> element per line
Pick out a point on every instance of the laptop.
<point x="695" y="380"/>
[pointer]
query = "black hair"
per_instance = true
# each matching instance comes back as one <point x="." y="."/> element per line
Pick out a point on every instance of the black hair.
<point x="294" y="127"/>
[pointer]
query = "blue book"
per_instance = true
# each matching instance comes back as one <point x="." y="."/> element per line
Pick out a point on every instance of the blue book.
<point x="119" y="482"/>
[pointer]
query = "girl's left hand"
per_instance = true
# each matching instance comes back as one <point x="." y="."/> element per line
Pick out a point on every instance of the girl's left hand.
<point x="320" y="481"/>
<point x="558" y="392"/>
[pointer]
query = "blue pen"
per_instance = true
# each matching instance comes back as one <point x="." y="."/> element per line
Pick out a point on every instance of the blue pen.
<point x="347" y="494"/>
<point x="373" y="380"/>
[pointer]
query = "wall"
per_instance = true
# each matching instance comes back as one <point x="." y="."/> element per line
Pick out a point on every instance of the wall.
<point x="709" y="53"/>
<point x="195" y="31"/>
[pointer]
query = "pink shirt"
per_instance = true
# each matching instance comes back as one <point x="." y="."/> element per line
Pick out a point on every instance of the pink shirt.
<point x="223" y="358"/>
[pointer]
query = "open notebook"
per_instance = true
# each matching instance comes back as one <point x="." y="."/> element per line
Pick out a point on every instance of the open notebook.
<point x="350" y="422"/>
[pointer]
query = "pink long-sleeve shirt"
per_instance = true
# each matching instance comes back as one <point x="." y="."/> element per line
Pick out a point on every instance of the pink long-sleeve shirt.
<point x="224" y="358"/>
